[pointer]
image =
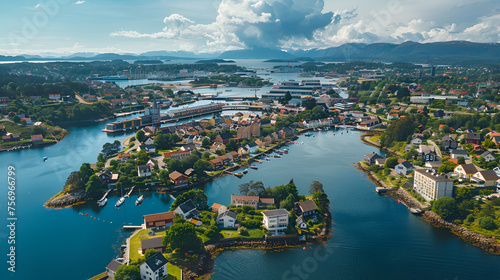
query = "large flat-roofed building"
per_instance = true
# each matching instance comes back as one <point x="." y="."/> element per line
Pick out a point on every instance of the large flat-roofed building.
<point x="432" y="186"/>
<point x="196" y="110"/>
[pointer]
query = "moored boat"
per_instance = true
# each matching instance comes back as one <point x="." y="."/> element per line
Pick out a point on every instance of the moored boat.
<point x="381" y="190"/>
<point x="416" y="211"/>
<point x="102" y="202"/>
<point x="120" y="202"/>
<point x="139" y="200"/>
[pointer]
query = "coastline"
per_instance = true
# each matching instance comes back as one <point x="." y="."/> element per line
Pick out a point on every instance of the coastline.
<point x="485" y="242"/>
<point x="31" y="145"/>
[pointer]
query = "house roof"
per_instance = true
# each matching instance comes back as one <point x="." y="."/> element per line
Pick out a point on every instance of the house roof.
<point x="156" y="261"/>
<point x="144" y="168"/>
<point x="434" y="176"/>
<point x="187" y="206"/>
<point x="307" y="205"/>
<point x="216" y="206"/>
<point x="151" y="243"/>
<point x="266" y="200"/>
<point x="468" y="168"/>
<point x="458" y="152"/>
<point x="426" y="149"/>
<point x="489" y="175"/>
<point x="485" y="154"/>
<point x="253" y="144"/>
<point x="159" y="217"/>
<point x="113" y="265"/>
<point x="373" y="156"/>
<point x="476" y="136"/>
<point x="248" y="198"/>
<point x="226" y="135"/>
<point x="176" y="175"/>
<point x="275" y="213"/>
<point x="227" y="213"/>
<point x="406" y="164"/>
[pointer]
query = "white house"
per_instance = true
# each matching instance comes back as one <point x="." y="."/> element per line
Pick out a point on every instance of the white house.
<point x="144" y="170"/>
<point x="187" y="209"/>
<point x="275" y="220"/>
<point x="455" y="153"/>
<point x="417" y="139"/>
<point x="227" y="218"/>
<point x="487" y="156"/>
<point x="485" y="178"/>
<point x="252" y="147"/>
<point x="465" y="171"/>
<point x="301" y="223"/>
<point x="154" y="268"/>
<point x="404" y="168"/>
<point x="430" y="185"/>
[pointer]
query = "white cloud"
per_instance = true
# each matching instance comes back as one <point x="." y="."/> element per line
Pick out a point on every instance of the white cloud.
<point x="79" y="2"/>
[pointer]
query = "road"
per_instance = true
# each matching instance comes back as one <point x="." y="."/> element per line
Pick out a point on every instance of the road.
<point x="81" y="100"/>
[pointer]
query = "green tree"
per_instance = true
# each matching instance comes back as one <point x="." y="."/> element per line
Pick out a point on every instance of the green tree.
<point x="198" y="197"/>
<point x="487" y="223"/>
<point x="140" y="135"/>
<point x="460" y="160"/>
<point x="128" y="272"/>
<point x="288" y="202"/>
<point x="391" y="162"/>
<point x="149" y="253"/>
<point x="231" y="145"/>
<point x="445" y="207"/>
<point x="182" y="238"/>
<point x="213" y="234"/>
<point x="16" y="119"/>
<point x="94" y="185"/>
<point x="316" y="187"/>
<point x="321" y="200"/>
<point x="85" y="172"/>
<point x="205" y="142"/>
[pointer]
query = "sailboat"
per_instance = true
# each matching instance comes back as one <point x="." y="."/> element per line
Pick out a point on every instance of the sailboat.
<point x="102" y="202"/>
<point x="120" y="201"/>
<point x="139" y="199"/>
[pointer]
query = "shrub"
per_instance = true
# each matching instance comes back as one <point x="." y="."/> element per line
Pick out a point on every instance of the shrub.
<point x="251" y="223"/>
<point x="470" y="219"/>
<point x="487" y="223"/>
<point x="243" y="231"/>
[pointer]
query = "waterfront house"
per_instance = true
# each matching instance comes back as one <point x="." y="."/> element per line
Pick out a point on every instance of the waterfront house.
<point x="251" y="200"/>
<point x="404" y="168"/>
<point x="456" y="153"/>
<point x="225" y="160"/>
<point x="380" y="161"/>
<point x="152" y="243"/>
<point x="123" y="157"/>
<point x="108" y="177"/>
<point x="286" y="132"/>
<point x="431" y="185"/>
<point x="37" y="138"/>
<point x="485" y="178"/>
<point x="487" y="156"/>
<point x="243" y="152"/>
<point x="216" y="163"/>
<point x="473" y="138"/>
<point x="154" y="268"/>
<point x="216" y="147"/>
<point x="370" y="123"/>
<point x="465" y="171"/>
<point x="111" y="268"/>
<point x="301" y="223"/>
<point x="187" y="210"/>
<point x="370" y="158"/>
<point x="164" y="219"/>
<point x="223" y="138"/>
<point x="247" y="132"/>
<point x="177" y="154"/>
<point x="252" y="147"/>
<point x="307" y="209"/>
<point x="449" y="142"/>
<point x="227" y="219"/>
<point x="178" y="178"/>
<point x="144" y="170"/>
<point x="233" y="156"/>
<point x="427" y="153"/>
<point x="260" y="143"/>
<point x="275" y="220"/>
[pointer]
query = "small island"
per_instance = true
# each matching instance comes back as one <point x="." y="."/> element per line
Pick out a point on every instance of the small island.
<point x="215" y="61"/>
<point x="148" y="61"/>
<point x="192" y="233"/>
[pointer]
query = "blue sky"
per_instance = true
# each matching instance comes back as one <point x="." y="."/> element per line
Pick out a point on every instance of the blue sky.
<point x="61" y="27"/>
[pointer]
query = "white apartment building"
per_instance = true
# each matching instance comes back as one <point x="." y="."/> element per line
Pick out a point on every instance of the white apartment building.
<point x="430" y="185"/>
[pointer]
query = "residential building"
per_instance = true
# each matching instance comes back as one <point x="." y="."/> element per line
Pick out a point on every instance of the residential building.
<point x="275" y="220"/>
<point x="227" y="218"/>
<point x="286" y="132"/>
<point x="465" y="171"/>
<point x="251" y="200"/>
<point x="123" y="157"/>
<point x="430" y="185"/>
<point x="108" y="177"/>
<point x="187" y="210"/>
<point x="154" y="268"/>
<point x="223" y="138"/>
<point x="177" y="154"/>
<point x="380" y="161"/>
<point x="473" y="138"/>
<point x="247" y="132"/>
<point x="37" y="138"/>
<point x="427" y="153"/>
<point x="404" y="168"/>
<point x="164" y="219"/>
<point x="216" y="163"/>
<point x="370" y="158"/>
<point x="495" y="137"/>
<point x="144" y="170"/>
<point x="487" y="156"/>
<point x="485" y="178"/>
<point x="456" y="153"/>
<point x="449" y="142"/>
<point x="216" y="207"/>
<point x="178" y="178"/>
<point x="306" y="209"/>
<point x="417" y="139"/>
<point x="252" y="147"/>
<point x="111" y="268"/>
<point x="152" y="243"/>
<point x="370" y="123"/>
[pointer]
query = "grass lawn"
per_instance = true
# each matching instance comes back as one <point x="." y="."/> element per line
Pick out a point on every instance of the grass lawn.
<point x="135" y="242"/>
<point x="252" y="233"/>
<point x="174" y="272"/>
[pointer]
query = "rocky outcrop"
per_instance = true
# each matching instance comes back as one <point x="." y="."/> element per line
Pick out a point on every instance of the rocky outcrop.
<point x="67" y="199"/>
<point x="488" y="243"/>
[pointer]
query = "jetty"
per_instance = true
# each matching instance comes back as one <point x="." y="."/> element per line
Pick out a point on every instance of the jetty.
<point x="106" y="194"/>
<point x="130" y="192"/>
<point x="232" y="173"/>
<point x="249" y="166"/>
<point x="132" y="227"/>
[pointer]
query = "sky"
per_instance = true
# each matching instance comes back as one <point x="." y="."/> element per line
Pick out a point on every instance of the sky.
<point x="63" y="27"/>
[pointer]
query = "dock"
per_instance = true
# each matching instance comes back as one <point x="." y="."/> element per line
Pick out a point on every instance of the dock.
<point x="249" y="166"/>
<point x="132" y="227"/>
<point x="106" y="194"/>
<point x="235" y="174"/>
<point x="131" y="189"/>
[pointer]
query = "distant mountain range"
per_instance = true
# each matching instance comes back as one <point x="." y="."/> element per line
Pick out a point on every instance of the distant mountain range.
<point x="440" y="52"/>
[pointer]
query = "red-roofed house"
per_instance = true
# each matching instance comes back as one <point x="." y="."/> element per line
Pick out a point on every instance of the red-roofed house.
<point x="37" y="138"/>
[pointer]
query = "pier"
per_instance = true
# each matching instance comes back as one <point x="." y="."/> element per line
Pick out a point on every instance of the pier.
<point x="106" y="194"/>
<point x="235" y="174"/>
<point x="132" y="227"/>
<point x="131" y="189"/>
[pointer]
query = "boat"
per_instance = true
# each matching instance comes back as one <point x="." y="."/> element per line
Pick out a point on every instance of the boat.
<point x="308" y="134"/>
<point x="416" y="211"/>
<point x="102" y="202"/>
<point x="381" y="190"/>
<point x="45" y="158"/>
<point x="120" y="201"/>
<point x="285" y="151"/>
<point x="139" y="200"/>
<point x="245" y="171"/>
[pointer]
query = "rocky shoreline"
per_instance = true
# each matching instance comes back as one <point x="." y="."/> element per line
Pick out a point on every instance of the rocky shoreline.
<point x="487" y="243"/>
<point x="66" y="200"/>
